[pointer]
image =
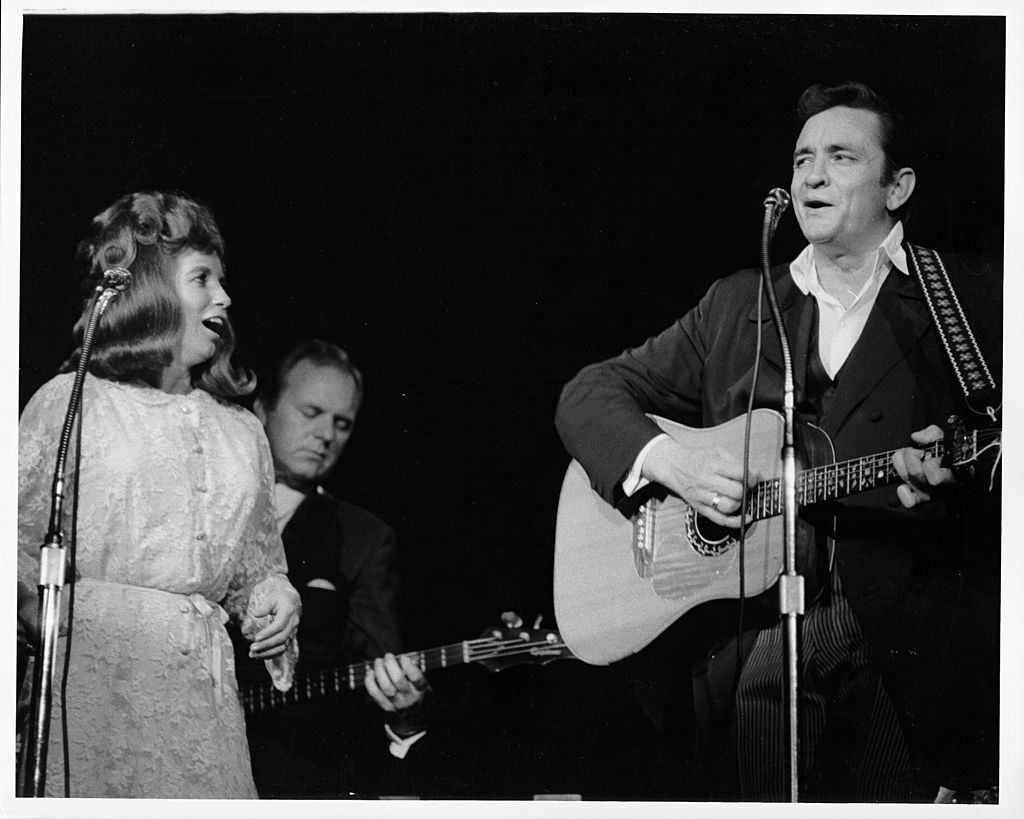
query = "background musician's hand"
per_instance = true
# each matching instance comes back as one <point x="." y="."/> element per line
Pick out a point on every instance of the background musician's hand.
<point x="919" y="473"/>
<point x="709" y="478"/>
<point x="395" y="683"/>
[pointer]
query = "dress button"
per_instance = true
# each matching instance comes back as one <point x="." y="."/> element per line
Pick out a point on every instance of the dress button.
<point x="875" y="416"/>
<point x="198" y="450"/>
<point x="186" y="410"/>
<point x="894" y="500"/>
<point x="201" y="536"/>
<point x="183" y="608"/>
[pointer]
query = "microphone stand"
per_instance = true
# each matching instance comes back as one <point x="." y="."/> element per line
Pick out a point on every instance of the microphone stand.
<point x="52" y="559"/>
<point x="791" y="584"/>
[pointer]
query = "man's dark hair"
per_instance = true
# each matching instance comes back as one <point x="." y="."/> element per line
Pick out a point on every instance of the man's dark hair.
<point x="893" y="134"/>
<point x="318" y="352"/>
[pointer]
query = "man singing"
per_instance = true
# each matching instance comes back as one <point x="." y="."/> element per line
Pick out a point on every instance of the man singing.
<point x="899" y="640"/>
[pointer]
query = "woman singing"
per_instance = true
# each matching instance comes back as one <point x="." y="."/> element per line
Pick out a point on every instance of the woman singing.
<point x="175" y="523"/>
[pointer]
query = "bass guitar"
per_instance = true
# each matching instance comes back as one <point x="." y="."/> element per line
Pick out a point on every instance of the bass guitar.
<point x="496" y="649"/>
<point x="620" y="582"/>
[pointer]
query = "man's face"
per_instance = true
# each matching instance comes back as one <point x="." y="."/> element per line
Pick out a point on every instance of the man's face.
<point x="837" y="188"/>
<point x="311" y="422"/>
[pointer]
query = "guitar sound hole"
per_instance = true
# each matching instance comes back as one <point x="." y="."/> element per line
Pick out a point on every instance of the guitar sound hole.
<point x="707" y="537"/>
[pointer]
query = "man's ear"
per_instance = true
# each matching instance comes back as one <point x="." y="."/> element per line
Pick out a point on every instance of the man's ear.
<point x="900" y="188"/>
<point x="259" y="407"/>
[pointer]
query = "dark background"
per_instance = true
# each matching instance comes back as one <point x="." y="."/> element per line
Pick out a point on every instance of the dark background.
<point x="476" y="206"/>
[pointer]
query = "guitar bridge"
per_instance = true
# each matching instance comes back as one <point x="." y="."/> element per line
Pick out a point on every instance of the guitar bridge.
<point x="643" y="539"/>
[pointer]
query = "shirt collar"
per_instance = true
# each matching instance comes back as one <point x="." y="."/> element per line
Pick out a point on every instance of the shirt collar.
<point x="805" y="273"/>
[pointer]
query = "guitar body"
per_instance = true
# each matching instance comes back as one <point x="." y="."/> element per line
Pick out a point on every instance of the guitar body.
<point x="619" y="582"/>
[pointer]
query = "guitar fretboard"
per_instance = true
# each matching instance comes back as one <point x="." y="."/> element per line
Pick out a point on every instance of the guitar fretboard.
<point x="308" y="685"/>
<point x="831" y="481"/>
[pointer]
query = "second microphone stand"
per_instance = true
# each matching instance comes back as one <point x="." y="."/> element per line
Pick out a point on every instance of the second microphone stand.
<point x="791" y="584"/>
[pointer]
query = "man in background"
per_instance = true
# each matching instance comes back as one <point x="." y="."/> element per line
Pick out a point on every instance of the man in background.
<point x="343" y="561"/>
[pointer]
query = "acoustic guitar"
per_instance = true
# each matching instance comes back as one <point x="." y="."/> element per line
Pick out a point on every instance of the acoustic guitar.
<point x="620" y="582"/>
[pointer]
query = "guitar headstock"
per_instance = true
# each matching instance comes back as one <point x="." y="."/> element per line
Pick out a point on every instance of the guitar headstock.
<point x="966" y="446"/>
<point x="513" y="643"/>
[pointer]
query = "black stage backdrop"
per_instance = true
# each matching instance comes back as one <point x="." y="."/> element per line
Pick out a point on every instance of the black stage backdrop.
<point x="475" y="206"/>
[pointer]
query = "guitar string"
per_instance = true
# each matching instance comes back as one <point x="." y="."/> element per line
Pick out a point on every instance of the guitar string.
<point x="820" y="480"/>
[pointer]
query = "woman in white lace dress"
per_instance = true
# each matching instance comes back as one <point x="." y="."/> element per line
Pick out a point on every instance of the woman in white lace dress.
<point x="175" y="526"/>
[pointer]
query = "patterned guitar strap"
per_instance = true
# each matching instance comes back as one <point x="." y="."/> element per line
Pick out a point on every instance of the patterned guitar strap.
<point x="980" y="390"/>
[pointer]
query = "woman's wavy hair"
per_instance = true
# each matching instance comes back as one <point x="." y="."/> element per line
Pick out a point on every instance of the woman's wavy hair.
<point x="135" y="338"/>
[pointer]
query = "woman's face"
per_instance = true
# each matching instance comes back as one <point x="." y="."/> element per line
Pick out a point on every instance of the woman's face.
<point x="199" y="282"/>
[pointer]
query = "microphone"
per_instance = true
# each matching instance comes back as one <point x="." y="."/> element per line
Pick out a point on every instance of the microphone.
<point x="775" y="204"/>
<point x="117" y="278"/>
<point x="777" y="197"/>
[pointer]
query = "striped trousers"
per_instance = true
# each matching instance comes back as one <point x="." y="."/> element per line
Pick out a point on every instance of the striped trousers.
<point x="851" y="746"/>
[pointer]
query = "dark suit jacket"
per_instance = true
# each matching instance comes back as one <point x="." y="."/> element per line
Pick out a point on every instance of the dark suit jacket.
<point x="328" y="748"/>
<point x="356" y="552"/>
<point x="902" y="570"/>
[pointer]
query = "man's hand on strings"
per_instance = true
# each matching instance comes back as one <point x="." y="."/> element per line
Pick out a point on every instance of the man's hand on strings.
<point x="920" y="472"/>
<point x="395" y="683"/>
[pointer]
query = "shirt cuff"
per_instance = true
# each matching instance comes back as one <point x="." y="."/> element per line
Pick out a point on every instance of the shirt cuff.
<point x="399" y="746"/>
<point x="634" y="481"/>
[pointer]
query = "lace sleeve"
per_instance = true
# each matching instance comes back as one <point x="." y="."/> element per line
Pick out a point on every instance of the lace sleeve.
<point x="261" y="551"/>
<point x="262" y="566"/>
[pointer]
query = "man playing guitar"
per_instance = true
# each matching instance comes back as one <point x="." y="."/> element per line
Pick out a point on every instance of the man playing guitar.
<point x="899" y="642"/>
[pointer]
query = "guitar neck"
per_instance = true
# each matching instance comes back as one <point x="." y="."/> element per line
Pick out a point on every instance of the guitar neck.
<point x="319" y="682"/>
<point x="427" y="660"/>
<point x="831" y="481"/>
<point x="491" y="651"/>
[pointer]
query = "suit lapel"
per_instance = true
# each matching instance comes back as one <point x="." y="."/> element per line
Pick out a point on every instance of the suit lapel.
<point x="798" y="314"/>
<point x="897" y="321"/>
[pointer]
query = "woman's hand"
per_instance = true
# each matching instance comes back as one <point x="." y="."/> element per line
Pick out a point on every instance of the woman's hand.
<point x="284" y="606"/>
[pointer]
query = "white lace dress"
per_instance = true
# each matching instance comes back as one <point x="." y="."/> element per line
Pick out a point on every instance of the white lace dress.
<point x="175" y="533"/>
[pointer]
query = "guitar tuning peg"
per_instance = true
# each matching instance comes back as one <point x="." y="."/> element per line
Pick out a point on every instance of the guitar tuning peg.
<point x="536" y="623"/>
<point x="511" y="619"/>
